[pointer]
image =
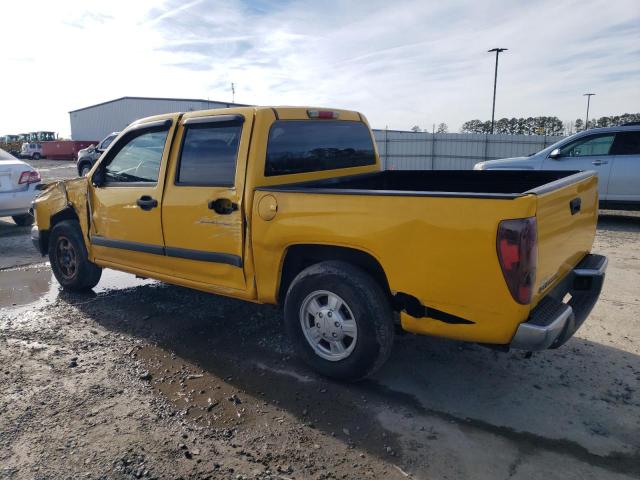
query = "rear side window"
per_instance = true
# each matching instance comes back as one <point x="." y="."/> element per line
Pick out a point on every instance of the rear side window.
<point x="300" y="146"/>
<point x="209" y="154"/>
<point x="626" y="143"/>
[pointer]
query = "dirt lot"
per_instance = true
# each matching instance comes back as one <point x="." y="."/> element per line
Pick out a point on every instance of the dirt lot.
<point x="145" y="380"/>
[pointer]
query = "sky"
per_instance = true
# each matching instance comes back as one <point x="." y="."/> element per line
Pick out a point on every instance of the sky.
<point x="401" y="63"/>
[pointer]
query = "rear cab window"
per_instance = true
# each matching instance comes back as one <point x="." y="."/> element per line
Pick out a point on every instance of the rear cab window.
<point x="302" y="146"/>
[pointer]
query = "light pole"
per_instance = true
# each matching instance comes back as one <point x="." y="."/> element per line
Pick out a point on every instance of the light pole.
<point x="586" y="122"/>
<point x="495" y="81"/>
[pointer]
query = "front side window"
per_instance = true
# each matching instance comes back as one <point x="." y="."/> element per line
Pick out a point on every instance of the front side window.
<point x="300" y="146"/>
<point x="138" y="160"/>
<point x="209" y="154"/>
<point x="626" y="143"/>
<point x="589" y="146"/>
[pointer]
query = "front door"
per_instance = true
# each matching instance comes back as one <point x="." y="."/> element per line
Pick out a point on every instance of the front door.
<point x="202" y="214"/>
<point x="126" y="224"/>
<point x="586" y="153"/>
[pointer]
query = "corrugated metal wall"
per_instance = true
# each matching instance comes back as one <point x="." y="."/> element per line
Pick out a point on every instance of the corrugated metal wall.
<point x="401" y="150"/>
<point x="96" y="122"/>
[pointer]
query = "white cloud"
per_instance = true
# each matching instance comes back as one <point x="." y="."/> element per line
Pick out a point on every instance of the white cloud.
<point x="400" y="63"/>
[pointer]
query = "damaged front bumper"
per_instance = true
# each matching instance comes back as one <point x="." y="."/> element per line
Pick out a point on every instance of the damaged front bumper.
<point x="552" y="322"/>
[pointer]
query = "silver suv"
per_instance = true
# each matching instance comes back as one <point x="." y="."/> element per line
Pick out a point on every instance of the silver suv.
<point x="613" y="152"/>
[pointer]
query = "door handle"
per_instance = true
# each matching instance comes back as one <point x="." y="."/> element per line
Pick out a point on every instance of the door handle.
<point x="145" y="202"/>
<point x="574" y="205"/>
<point x="599" y="162"/>
<point x="223" y="206"/>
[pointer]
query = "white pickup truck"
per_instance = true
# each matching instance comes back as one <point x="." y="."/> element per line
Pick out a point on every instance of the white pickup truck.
<point x="613" y="152"/>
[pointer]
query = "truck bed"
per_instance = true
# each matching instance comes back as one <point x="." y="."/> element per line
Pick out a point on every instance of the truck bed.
<point x="456" y="183"/>
<point x="435" y="234"/>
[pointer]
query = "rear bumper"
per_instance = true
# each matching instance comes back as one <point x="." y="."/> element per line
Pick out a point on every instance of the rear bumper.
<point x="18" y="203"/>
<point x="553" y="322"/>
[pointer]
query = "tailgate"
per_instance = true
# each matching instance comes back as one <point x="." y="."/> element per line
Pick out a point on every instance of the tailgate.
<point x="566" y="213"/>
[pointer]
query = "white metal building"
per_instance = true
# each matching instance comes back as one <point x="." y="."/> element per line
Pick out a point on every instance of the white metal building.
<point x="97" y="121"/>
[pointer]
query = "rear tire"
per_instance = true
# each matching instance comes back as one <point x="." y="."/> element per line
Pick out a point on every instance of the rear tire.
<point x="36" y="156"/>
<point x="339" y="320"/>
<point x="69" y="260"/>
<point x="24" y="220"/>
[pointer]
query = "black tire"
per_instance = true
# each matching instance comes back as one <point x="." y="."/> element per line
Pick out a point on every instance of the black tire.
<point x="84" y="169"/>
<point x="69" y="259"/>
<point x="371" y="310"/>
<point x="23" y="220"/>
<point x="36" y="156"/>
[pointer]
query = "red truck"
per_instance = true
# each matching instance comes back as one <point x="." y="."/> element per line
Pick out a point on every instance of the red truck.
<point x="64" y="149"/>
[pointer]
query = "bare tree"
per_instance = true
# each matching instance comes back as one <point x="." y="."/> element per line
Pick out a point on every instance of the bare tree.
<point x="442" y="128"/>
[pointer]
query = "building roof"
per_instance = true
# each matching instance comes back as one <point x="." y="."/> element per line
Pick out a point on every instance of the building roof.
<point x="229" y="104"/>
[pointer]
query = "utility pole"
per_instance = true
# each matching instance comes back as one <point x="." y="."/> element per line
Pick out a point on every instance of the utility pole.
<point x="233" y="93"/>
<point x="495" y="82"/>
<point x="586" y="122"/>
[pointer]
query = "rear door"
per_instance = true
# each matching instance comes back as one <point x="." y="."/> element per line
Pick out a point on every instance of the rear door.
<point x="624" y="183"/>
<point x="591" y="152"/>
<point x="202" y="209"/>
<point x="125" y="209"/>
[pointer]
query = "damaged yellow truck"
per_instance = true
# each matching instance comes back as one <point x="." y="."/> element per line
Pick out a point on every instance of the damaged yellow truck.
<point x="290" y="206"/>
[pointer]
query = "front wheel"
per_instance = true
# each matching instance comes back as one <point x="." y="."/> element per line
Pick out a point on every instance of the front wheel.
<point x="36" y="156"/>
<point x="339" y="320"/>
<point x="69" y="260"/>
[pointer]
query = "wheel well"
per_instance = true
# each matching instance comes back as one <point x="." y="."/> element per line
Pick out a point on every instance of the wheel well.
<point x="299" y="257"/>
<point x="67" y="213"/>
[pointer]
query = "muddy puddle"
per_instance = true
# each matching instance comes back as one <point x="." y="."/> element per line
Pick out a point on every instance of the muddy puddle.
<point x="25" y="286"/>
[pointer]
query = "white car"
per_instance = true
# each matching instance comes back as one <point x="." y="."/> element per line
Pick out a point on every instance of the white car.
<point x="31" y="150"/>
<point x="19" y="186"/>
<point x="613" y="152"/>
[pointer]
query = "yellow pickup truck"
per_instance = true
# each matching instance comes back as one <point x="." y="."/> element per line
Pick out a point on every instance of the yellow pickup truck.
<point x="289" y="206"/>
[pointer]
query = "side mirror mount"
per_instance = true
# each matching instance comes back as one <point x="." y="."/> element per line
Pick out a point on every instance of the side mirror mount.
<point x="555" y="154"/>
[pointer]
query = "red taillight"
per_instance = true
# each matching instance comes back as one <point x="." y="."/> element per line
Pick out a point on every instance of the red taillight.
<point x="518" y="254"/>
<point x="29" y="177"/>
<point x="326" y="114"/>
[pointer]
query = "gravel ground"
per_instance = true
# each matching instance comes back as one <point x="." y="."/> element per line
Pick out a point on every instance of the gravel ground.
<point x="146" y="380"/>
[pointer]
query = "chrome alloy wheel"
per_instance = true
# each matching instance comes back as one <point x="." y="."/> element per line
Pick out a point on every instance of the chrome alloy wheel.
<point x="328" y="325"/>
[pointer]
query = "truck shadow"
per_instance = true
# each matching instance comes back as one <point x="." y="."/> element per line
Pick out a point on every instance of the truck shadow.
<point x="578" y="398"/>
<point x="619" y="221"/>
